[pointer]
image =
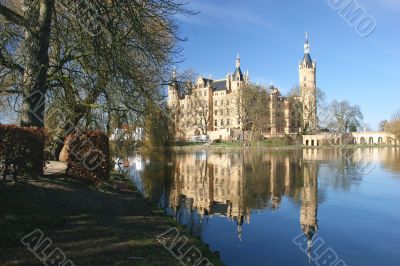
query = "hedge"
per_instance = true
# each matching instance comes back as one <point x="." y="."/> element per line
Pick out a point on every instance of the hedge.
<point x="88" y="156"/>
<point x="22" y="149"/>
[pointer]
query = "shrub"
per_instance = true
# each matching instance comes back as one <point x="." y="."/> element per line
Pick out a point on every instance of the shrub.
<point x="88" y="156"/>
<point x="23" y="149"/>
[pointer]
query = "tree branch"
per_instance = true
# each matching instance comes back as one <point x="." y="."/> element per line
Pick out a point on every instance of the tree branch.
<point x="10" y="65"/>
<point x="13" y="16"/>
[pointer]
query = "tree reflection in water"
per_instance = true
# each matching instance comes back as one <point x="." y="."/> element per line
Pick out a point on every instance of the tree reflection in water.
<point x="193" y="186"/>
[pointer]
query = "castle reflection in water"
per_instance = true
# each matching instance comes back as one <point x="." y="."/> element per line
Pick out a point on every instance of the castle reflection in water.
<point x="194" y="186"/>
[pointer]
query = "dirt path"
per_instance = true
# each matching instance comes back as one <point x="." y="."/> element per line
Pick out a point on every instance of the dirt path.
<point x="117" y="227"/>
<point x="54" y="168"/>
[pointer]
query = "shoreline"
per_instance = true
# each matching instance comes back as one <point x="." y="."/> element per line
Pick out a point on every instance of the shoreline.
<point x="218" y="148"/>
<point x="110" y="225"/>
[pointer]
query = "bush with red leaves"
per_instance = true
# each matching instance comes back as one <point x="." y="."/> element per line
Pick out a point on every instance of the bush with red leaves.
<point x="88" y="156"/>
<point x="22" y="149"/>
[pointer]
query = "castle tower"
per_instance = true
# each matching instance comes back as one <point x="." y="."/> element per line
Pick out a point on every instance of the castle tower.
<point x="308" y="89"/>
<point x="173" y="91"/>
<point x="237" y="77"/>
<point x="309" y="202"/>
<point x="174" y="95"/>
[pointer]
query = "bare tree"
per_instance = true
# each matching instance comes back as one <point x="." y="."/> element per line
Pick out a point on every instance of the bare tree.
<point x="200" y="116"/>
<point x="249" y="108"/>
<point x="382" y="125"/>
<point x="34" y="20"/>
<point x="112" y="64"/>
<point x="393" y="125"/>
<point x="344" y="116"/>
<point x="298" y="102"/>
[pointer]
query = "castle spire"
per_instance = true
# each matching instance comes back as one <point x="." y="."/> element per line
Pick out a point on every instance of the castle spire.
<point x="306" y="45"/>
<point x="174" y="73"/>
<point x="238" y="61"/>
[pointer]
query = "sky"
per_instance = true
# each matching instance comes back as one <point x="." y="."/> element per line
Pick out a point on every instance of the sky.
<point x="269" y="36"/>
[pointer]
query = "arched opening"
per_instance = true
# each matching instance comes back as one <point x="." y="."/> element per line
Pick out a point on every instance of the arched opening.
<point x="338" y="141"/>
<point x="389" y="140"/>
<point x="362" y="140"/>
<point x="371" y="140"/>
<point x="306" y="142"/>
<point x="317" y="142"/>
<point x="312" y="142"/>
<point x="380" y="140"/>
<point x="333" y="141"/>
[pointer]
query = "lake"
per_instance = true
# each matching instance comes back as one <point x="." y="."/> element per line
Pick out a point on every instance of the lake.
<point x="286" y="207"/>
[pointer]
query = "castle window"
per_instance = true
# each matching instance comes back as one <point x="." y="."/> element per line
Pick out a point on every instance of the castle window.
<point x="222" y="122"/>
<point x="216" y="103"/>
<point x="205" y="93"/>
<point x="227" y="122"/>
<point x="215" y="123"/>
<point x="222" y="102"/>
<point x="216" y="112"/>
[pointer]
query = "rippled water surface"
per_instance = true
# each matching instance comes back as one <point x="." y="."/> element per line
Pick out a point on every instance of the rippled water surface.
<point x="299" y="207"/>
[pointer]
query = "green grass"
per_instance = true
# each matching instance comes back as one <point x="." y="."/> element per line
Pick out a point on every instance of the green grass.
<point x="107" y="225"/>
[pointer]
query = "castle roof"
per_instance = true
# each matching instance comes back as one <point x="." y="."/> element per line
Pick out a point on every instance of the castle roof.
<point x="219" y="85"/>
<point x="207" y="82"/>
<point x="307" y="60"/>
<point x="238" y="75"/>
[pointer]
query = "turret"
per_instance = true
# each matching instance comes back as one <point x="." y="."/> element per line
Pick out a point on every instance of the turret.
<point x="173" y="90"/>
<point x="309" y="203"/>
<point x="308" y="89"/>
<point x="238" y="75"/>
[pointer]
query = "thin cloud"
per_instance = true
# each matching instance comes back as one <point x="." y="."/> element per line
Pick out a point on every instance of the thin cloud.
<point x="210" y="13"/>
<point x="393" y="5"/>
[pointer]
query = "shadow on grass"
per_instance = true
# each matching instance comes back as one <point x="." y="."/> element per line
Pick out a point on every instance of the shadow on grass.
<point x="111" y="227"/>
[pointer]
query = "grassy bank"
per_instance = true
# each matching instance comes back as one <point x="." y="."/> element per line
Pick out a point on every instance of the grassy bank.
<point x="111" y="225"/>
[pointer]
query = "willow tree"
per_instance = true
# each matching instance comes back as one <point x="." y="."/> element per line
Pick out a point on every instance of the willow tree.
<point x="88" y="60"/>
<point x="34" y="21"/>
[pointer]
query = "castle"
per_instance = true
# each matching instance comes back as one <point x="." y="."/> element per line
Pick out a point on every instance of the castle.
<point x="219" y="184"/>
<point x="208" y="106"/>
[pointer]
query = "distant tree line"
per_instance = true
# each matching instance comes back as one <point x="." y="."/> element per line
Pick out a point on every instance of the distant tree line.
<point x="393" y="125"/>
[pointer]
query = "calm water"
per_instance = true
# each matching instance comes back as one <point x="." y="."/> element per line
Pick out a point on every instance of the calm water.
<point x="300" y="207"/>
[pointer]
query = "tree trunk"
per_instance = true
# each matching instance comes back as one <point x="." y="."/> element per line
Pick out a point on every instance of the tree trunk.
<point x="75" y="116"/>
<point x="38" y="13"/>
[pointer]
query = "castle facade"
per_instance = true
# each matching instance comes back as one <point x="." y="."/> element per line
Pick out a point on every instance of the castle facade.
<point x="210" y="107"/>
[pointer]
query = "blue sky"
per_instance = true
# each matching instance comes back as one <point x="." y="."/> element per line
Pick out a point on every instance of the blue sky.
<point x="269" y="36"/>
